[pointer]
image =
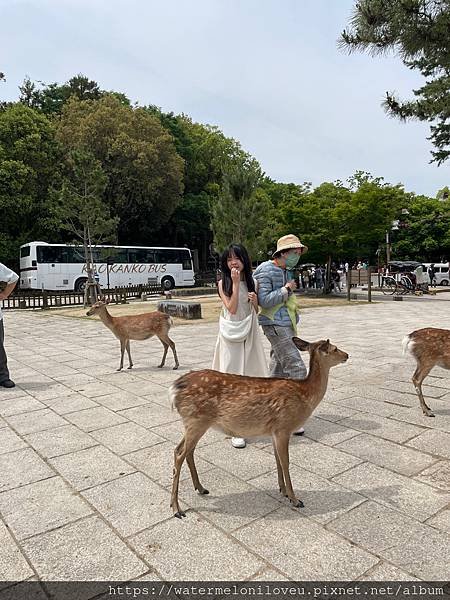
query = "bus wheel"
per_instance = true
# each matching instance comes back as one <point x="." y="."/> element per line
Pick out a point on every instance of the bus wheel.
<point x="167" y="283"/>
<point x="80" y="284"/>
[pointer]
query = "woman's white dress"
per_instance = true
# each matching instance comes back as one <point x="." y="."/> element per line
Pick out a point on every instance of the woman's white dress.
<point x="241" y="358"/>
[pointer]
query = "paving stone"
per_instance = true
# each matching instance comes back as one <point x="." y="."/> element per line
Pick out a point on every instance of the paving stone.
<point x="38" y="420"/>
<point x="441" y="521"/>
<point x="9" y="441"/>
<point x="70" y="404"/>
<point x="95" y="418"/>
<point x="121" y="400"/>
<point x="303" y="549"/>
<point x="90" y="467"/>
<point x="386" y="572"/>
<point x="433" y="442"/>
<point x="88" y="551"/>
<point x="407" y="387"/>
<point x="411" y="497"/>
<point x="328" y="433"/>
<point x="385" y="531"/>
<point x="22" y="467"/>
<point x="383" y="453"/>
<point x="320" y="459"/>
<point x="157" y="463"/>
<point x="61" y="440"/>
<point x="15" y="406"/>
<point x="150" y="415"/>
<point x="126" y="437"/>
<point x="91" y="390"/>
<point x="41" y="506"/>
<point x="323" y="500"/>
<point x="192" y="555"/>
<point x="438" y="475"/>
<point x="29" y="589"/>
<point x="231" y="502"/>
<point x="388" y="429"/>
<point x="245" y="463"/>
<point x="174" y="432"/>
<point x="13" y="566"/>
<point x="131" y="504"/>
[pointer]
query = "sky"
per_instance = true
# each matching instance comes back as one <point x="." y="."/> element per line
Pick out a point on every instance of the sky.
<point x="266" y="72"/>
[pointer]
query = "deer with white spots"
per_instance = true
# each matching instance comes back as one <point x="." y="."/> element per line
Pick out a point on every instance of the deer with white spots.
<point x="136" y="327"/>
<point x="430" y="347"/>
<point x="247" y="407"/>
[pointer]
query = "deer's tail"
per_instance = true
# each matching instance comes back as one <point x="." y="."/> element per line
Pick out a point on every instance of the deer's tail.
<point x="407" y="343"/>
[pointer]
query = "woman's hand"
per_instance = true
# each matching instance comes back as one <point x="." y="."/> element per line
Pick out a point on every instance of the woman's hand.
<point x="253" y="298"/>
<point x="235" y="275"/>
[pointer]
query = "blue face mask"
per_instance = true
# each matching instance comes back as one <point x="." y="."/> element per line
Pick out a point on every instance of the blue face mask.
<point x="291" y="260"/>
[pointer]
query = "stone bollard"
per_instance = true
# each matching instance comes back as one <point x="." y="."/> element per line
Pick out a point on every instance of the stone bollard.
<point x="144" y="297"/>
<point x="178" y="308"/>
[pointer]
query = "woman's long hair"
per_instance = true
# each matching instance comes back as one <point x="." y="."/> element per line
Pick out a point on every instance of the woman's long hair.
<point x="241" y="253"/>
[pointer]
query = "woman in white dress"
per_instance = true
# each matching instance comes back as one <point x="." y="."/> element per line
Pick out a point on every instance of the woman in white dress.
<point x="239" y="348"/>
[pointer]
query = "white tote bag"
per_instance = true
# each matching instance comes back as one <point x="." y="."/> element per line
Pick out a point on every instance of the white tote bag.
<point x="236" y="331"/>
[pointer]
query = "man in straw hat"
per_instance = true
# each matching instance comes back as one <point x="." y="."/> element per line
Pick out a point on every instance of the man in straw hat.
<point x="279" y="316"/>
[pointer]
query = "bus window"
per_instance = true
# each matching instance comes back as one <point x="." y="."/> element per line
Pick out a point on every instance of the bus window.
<point x="141" y="256"/>
<point x="49" y="254"/>
<point x="185" y="259"/>
<point x="25" y="251"/>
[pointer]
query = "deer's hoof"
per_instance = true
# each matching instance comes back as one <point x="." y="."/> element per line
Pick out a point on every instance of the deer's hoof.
<point x="119" y="369"/>
<point x="160" y="366"/>
<point x="203" y="491"/>
<point x="175" y="367"/>
<point x="429" y="414"/>
<point x="130" y="367"/>
<point x="180" y="514"/>
<point x="297" y="503"/>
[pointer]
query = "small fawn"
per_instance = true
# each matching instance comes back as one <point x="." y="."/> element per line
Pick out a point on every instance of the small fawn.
<point x="136" y="327"/>
<point x="430" y="347"/>
<point x="247" y="407"/>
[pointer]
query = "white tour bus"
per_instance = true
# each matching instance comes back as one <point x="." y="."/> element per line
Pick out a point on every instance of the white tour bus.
<point x="61" y="266"/>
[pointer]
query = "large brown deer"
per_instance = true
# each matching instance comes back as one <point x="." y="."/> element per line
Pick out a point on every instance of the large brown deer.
<point x="136" y="327"/>
<point x="430" y="347"/>
<point x="247" y="407"/>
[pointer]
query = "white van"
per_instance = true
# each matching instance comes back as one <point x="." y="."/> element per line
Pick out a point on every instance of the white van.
<point x="442" y="272"/>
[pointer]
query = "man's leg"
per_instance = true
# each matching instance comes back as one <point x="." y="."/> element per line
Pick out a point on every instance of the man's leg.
<point x="4" y="373"/>
<point x="275" y="367"/>
<point x="286" y="360"/>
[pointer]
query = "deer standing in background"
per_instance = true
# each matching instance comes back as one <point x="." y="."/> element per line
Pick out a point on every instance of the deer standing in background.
<point x="136" y="327"/>
<point x="430" y="347"/>
<point x="248" y="407"/>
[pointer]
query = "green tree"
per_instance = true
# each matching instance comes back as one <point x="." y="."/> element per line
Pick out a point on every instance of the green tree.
<point x="29" y="167"/>
<point x="81" y="210"/>
<point x="418" y="31"/>
<point x="242" y="213"/>
<point x="426" y="232"/>
<point x="145" y="173"/>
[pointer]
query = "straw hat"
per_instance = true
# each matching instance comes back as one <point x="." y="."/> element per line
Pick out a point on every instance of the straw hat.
<point x="287" y="242"/>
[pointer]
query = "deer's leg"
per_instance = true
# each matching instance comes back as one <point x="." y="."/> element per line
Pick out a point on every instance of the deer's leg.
<point x="193" y="469"/>
<point x="130" y="362"/>
<point x="166" y="341"/>
<point x="281" y="484"/>
<point x="122" y="352"/>
<point x="166" y="347"/>
<point x="282" y="447"/>
<point x="419" y="375"/>
<point x="184" y="448"/>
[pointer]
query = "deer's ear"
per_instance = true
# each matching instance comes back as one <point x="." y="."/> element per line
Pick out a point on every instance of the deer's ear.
<point x="301" y="344"/>
<point x="325" y="346"/>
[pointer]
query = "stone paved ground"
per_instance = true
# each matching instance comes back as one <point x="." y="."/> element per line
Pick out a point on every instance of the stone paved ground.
<point x="86" y="462"/>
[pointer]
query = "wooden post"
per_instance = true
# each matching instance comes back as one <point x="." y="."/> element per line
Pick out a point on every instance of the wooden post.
<point x="369" y="284"/>
<point x="44" y="300"/>
<point x="349" y="282"/>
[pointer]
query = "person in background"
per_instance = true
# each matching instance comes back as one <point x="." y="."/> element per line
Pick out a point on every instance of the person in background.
<point x="432" y="274"/>
<point x="9" y="279"/>
<point x="239" y="348"/>
<point x="279" y="315"/>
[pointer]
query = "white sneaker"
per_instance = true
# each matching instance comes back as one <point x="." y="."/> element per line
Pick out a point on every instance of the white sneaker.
<point x="300" y="431"/>
<point x="237" y="442"/>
